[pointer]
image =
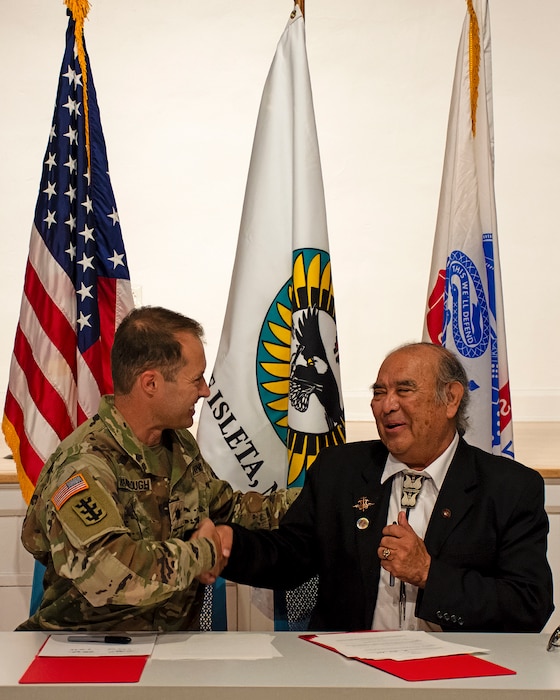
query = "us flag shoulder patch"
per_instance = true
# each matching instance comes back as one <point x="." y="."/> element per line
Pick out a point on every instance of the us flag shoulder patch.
<point x="73" y="485"/>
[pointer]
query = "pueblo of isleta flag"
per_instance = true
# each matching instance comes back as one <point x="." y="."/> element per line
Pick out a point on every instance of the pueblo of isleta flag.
<point x="465" y="307"/>
<point x="77" y="286"/>
<point x="275" y="394"/>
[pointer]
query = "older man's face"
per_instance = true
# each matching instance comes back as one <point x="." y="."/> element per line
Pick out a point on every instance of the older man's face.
<point x="413" y="424"/>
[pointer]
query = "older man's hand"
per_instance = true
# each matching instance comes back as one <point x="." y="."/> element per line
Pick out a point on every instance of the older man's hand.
<point x="408" y="559"/>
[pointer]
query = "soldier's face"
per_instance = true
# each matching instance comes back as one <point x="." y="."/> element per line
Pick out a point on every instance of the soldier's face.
<point x="189" y="385"/>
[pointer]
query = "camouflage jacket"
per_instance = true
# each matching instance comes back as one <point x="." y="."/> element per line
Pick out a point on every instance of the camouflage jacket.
<point x="111" y="522"/>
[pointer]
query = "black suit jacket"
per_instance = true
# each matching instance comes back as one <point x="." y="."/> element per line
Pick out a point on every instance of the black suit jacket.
<point x="487" y="537"/>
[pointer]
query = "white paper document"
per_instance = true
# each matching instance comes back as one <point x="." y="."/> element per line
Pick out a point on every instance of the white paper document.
<point x="215" y="645"/>
<point x="64" y="645"/>
<point x="399" y="646"/>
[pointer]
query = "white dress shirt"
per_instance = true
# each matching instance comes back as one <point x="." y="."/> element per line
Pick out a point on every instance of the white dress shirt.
<point x="386" y="614"/>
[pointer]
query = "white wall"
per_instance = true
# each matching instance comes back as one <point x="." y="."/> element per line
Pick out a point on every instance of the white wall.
<point x="179" y="85"/>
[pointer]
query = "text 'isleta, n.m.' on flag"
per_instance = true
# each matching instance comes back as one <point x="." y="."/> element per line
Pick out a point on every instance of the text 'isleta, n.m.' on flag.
<point x="465" y="307"/>
<point x="275" y="395"/>
<point x="77" y="286"/>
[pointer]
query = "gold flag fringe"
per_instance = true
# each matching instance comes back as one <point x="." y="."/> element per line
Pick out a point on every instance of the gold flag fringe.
<point x="13" y="442"/>
<point x="474" y="62"/>
<point x="79" y="10"/>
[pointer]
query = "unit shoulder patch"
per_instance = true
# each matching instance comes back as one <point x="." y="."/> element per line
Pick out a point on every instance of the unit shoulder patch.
<point x="90" y="513"/>
<point x="89" y="510"/>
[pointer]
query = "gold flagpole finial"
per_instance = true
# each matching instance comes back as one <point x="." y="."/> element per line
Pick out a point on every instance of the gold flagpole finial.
<point x="79" y="10"/>
<point x="474" y="62"/>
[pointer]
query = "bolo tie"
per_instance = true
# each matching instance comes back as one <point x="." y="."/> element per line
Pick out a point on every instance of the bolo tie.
<point x="412" y="483"/>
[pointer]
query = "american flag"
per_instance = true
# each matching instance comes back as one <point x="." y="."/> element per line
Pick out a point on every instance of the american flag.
<point x="73" y="485"/>
<point x="77" y="286"/>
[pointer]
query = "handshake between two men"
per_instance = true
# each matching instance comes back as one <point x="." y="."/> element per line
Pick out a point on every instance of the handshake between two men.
<point x="222" y="538"/>
<point x="471" y="557"/>
<point x="408" y="561"/>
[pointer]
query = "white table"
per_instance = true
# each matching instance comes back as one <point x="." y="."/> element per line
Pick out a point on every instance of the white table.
<point x="304" y="672"/>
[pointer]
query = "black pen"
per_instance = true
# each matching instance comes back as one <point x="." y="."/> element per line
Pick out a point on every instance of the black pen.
<point x="106" y="639"/>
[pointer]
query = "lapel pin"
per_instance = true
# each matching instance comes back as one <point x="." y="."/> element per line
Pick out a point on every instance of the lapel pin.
<point x="446" y="513"/>
<point x="362" y="523"/>
<point x="363" y="503"/>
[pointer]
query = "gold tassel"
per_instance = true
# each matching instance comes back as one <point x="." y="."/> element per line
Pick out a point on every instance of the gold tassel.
<point x="474" y="62"/>
<point x="79" y="10"/>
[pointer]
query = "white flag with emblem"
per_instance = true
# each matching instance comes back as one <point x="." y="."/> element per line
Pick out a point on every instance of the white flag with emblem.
<point x="465" y="307"/>
<point x="275" y="394"/>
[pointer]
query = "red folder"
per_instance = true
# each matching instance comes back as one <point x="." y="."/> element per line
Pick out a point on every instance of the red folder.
<point x="84" y="669"/>
<point x="430" y="669"/>
<point x="440" y="667"/>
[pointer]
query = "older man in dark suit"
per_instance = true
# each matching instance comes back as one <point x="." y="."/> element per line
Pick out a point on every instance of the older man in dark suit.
<point x="418" y="530"/>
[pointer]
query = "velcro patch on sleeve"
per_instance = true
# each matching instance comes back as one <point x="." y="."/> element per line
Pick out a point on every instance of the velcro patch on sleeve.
<point x="89" y="510"/>
<point x="71" y="486"/>
<point x="91" y="514"/>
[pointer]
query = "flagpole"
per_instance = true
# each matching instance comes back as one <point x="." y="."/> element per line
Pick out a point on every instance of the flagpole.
<point x="301" y="4"/>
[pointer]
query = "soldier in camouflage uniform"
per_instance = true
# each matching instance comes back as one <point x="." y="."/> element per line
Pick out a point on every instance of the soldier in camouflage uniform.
<point x="122" y="513"/>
